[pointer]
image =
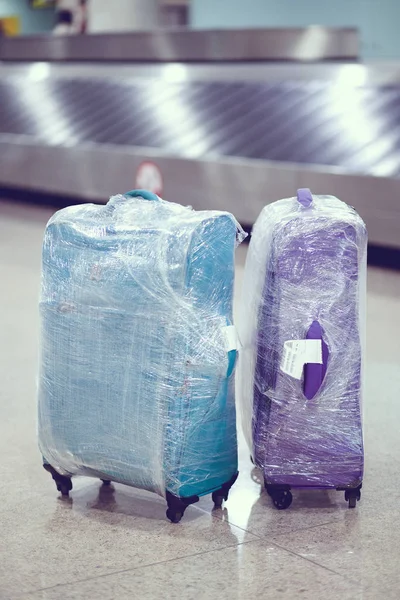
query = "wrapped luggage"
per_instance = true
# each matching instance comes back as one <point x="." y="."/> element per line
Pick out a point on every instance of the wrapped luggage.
<point x="138" y="348"/>
<point x="302" y="334"/>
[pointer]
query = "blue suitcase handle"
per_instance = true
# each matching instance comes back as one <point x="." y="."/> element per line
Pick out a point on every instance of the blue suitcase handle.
<point x="141" y="194"/>
<point x="119" y="199"/>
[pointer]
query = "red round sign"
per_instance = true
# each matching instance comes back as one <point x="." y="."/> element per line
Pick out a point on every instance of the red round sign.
<point x="149" y="177"/>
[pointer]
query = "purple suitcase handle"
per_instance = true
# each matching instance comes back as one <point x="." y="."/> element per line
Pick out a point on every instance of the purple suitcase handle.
<point x="314" y="373"/>
<point x="304" y="197"/>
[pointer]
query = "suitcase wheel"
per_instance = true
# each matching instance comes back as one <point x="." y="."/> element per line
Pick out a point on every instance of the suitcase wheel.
<point x="173" y="515"/>
<point x="280" y="494"/>
<point x="352" y="497"/>
<point x="222" y="494"/>
<point x="177" y="506"/>
<point x="63" y="483"/>
<point x="106" y="482"/>
<point x="64" y="487"/>
<point x="281" y="499"/>
<point x="218" y="498"/>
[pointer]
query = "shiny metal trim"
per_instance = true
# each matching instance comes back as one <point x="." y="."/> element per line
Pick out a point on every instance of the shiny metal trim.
<point x="242" y="187"/>
<point x="349" y="73"/>
<point x="297" y="44"/>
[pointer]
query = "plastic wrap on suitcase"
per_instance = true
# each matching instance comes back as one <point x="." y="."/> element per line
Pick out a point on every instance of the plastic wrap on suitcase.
<point x="302" y="334"/>
<point x="137" y="345"/>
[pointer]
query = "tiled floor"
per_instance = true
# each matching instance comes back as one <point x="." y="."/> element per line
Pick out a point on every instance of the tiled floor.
<point x="116" y="543"/>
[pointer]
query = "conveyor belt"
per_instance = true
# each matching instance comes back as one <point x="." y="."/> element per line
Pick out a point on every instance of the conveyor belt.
<point x="355" y="128"/>
<point x="227" y="137"/>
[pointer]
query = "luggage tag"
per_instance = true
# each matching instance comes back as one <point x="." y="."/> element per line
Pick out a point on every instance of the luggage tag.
<point x="297" y="353"/>
<point x="231" y="339"/>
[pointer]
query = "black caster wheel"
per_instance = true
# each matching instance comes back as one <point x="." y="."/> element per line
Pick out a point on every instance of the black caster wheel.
<point x="352" y="497"/>
<point x="177" y="506"/>
<point x="223" y="493"/>
<point x="282" y="500"/>
<point x="174" y="516"/>
<point x="352" y="502"/>
<point x="106" y="482"/>
<point x="63" y="483"/>
<point x="64" y="486"/>
<point x="218" y="499"/>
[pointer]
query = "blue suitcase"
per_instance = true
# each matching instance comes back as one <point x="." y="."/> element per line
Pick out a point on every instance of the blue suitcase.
<point x="138" y="352"/>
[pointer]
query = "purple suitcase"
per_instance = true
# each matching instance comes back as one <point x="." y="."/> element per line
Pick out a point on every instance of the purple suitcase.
<point x="306" y="350"/>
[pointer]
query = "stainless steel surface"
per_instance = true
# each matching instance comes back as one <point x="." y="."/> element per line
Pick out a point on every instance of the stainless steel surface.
<point x="227" y="143"/>
<point x="240" y="186"/>
<point x="308" y="44"/>
<point x="351" y="74"/>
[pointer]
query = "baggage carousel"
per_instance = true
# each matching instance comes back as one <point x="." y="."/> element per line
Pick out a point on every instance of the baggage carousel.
<point x="230" y="135"/>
